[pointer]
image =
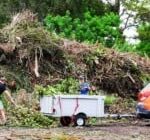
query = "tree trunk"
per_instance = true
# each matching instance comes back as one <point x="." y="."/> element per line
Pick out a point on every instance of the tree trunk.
<point x="117" y="6"/>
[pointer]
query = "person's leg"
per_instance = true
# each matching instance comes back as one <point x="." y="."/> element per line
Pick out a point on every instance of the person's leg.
<point x="2" y="113"/>
<point x="3" y="116"/>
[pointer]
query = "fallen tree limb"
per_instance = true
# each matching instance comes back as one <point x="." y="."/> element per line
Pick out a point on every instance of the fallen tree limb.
<point x="36" y="68"/>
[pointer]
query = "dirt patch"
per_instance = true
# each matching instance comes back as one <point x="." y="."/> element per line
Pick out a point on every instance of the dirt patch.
<point x="105" y="131"/>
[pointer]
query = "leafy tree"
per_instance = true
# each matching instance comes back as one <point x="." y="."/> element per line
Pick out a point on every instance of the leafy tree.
<point x="42" y="7"/>
<point x="142" y="20"/>
<point x="137" y="10"/>
<point x="90" y="28"/>
<point x="141" y="7"/>
<point x="144" y="36"/>
<point x="78" y="7"/>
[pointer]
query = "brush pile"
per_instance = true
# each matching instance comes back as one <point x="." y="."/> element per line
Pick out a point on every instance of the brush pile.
<point x="116" y="73"/>
<point x="30" y="55"/>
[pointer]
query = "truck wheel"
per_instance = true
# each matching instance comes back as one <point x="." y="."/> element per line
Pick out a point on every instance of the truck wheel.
<point x="65" y="121"/>
<point x="80" y="120"/>
<point x="138" y="116"/>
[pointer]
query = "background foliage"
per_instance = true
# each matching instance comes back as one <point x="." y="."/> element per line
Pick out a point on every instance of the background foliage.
<point x="43" y="7"/>
<point x="144" y="35"/>
<point x="90" y="28"/>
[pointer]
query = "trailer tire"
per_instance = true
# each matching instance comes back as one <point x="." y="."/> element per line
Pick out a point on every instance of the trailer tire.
<point x="65" y="121"/>
<point x="80" y="120"/>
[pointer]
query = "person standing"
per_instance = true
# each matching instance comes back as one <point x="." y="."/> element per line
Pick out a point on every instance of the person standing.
<point x="4" y="90"/>
<point x="84" y="86"/>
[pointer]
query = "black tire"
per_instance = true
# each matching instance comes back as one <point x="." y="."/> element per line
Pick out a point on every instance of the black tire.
<point x="65" y="121"/>
<point x="143" y="116"/>
<point x="80" y="120"/>
<point x="138" y="116"/>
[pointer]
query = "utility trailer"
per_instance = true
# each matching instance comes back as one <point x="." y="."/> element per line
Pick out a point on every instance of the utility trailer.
<point x="73" y="108"/>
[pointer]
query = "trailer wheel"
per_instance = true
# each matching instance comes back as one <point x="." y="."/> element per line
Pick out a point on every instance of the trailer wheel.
<point x="80" y="120"/>
<point x="65" y="121"/>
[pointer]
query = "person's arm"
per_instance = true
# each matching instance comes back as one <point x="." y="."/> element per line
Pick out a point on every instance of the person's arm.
<point x="93" y="88"/>
<point x="7" y="93"/>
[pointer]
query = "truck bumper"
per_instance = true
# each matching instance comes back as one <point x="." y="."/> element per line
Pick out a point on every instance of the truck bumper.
<point x="142" y="112"/>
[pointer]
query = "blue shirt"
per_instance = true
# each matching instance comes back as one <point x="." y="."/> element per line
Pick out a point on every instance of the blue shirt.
<point x="84" y="88"/>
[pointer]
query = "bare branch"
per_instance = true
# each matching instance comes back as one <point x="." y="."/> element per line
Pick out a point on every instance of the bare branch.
<point x="36" y="68"/>
<point x="122" y="13"/>
<point x="128" y="26"/>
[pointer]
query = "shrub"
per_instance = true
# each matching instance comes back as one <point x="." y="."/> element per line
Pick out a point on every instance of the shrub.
<point x="66" y="86"/>
<point x="144" y="36"/>
<point x="92" y="29"/>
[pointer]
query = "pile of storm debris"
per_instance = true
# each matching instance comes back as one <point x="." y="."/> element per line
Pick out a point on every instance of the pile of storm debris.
<point x="29" y="55"/>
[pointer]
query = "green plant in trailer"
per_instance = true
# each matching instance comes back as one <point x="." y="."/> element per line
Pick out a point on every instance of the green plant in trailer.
<point x="66" y="86"/>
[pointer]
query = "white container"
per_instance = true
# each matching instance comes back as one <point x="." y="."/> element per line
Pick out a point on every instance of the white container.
<point x="81" y="106"/>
